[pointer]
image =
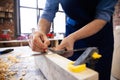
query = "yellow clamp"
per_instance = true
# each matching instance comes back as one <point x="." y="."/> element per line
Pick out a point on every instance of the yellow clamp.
<point x="77" y="68"/>
<point x="81" y="67"/>
<point x="95" y="55"/>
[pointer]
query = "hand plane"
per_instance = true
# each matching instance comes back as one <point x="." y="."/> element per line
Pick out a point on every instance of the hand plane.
<point x="89" y="55"/>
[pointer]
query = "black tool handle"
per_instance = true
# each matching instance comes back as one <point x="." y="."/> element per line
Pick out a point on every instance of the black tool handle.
<point x="6" y="51"/>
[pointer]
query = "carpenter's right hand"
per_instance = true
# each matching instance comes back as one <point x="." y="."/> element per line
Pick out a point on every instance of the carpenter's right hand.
<point x="38" y="41"/>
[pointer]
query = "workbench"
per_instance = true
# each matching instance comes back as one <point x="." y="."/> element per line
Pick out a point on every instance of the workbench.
<point x="44" y="67"/>
<point x="26" y="68"/>
<point x="21" y="42"/>
<point x="54" y="42"/>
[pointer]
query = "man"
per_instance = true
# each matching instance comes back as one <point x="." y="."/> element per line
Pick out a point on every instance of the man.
<point x="89" y="23"/>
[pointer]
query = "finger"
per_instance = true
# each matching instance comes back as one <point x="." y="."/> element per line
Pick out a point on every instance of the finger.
<point x="67" y="54"/>
<point x="46" y="41"/>
<point x="33" y="46"/>
<point x="59" y="47"/>
<point x="35" y="43"/>
<point x="40" y="45"/>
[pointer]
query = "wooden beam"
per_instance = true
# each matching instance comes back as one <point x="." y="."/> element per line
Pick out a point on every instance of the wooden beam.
<point x="54" y="67"/>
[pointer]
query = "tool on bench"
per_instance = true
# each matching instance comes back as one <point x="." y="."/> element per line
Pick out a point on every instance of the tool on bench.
<point x="6" y="51"/>
<point x="65" y="51"/>
<point x="59" y="51"/>
<point x="89" y="55"/>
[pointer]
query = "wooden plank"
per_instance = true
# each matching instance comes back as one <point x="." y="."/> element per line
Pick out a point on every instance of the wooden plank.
<point x="54" y="67"/>
<point x="116" y="55"/>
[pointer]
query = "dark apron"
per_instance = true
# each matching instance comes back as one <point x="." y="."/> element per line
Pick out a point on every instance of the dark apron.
<point x="80" y="14"/>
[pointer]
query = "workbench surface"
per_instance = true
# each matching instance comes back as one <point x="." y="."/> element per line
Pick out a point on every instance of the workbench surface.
<point x="53" y="66"/>
<point x="25" y="68"/>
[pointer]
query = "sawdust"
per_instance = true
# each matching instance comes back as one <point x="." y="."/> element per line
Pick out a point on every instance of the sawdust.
<point x="13" y="59"/>
<point x="23" y="73"/>
<point x="21" y="78"/>
<point x="3" y="69"/>
<point x="5" y="72"/>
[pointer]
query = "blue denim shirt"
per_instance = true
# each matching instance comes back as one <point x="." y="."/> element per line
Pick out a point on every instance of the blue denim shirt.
<point x="104" y="9"/>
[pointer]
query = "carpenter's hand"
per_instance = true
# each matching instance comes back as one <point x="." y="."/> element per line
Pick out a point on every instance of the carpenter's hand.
<point x="38" y="41"/>
<point x="67" y="43"/>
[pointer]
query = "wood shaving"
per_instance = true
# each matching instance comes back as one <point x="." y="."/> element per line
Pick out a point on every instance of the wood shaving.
<point x="13" y="59"/>
<point x="23" y="73"/>
<point x="5" y="72"/>
<point x="3" y="69"/>
<point x="12" y="73"/>
<point x="21" y="78"/>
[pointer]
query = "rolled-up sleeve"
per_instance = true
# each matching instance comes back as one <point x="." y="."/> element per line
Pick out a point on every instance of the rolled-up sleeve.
<point x="51" y="7"/>
<point x="105" y="9"/>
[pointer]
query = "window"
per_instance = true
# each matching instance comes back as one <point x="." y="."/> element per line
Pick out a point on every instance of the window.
<point x="59" y="23"/>
<point x="41" y="3"/>
<point x="28" y="19"/>
<point x="28" y="3"/>
<point x="30" y="10"/>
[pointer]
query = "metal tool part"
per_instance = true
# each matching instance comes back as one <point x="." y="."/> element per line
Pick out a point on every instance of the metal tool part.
<point x="86" y="55"/>
<point x="65" y="51"/>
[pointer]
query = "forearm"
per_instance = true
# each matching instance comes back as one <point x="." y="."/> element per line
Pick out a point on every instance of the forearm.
<point x="89" y="29"/>
<point x="44" y="25"/>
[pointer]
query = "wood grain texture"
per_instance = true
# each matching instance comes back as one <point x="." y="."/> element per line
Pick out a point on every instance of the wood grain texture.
<point x="54" y="67"/>
<point x="116" y="55"/>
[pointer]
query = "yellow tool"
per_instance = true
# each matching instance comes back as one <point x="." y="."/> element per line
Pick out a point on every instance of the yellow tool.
<point x="90" y="54"/>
